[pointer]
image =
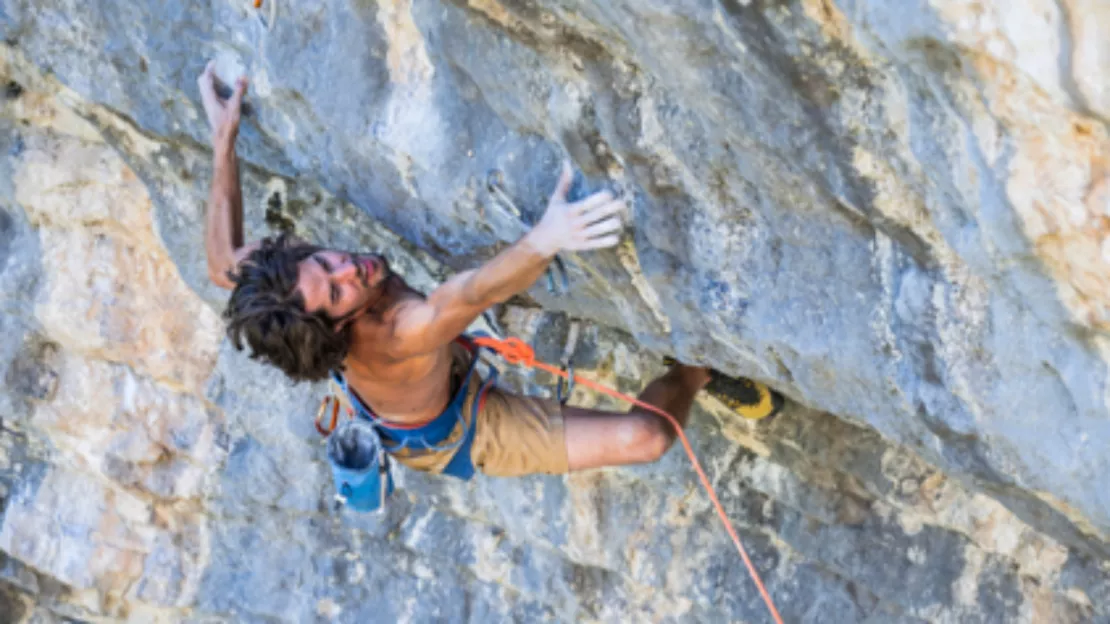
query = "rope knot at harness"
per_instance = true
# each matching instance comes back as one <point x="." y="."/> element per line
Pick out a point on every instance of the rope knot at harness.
<point x="513" y="350"/>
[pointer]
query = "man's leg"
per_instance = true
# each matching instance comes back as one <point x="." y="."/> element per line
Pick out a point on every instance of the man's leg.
<point x="595" y="438"/>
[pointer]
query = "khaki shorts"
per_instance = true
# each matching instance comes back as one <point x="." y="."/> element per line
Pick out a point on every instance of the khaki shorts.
<point x="516" y="435"/>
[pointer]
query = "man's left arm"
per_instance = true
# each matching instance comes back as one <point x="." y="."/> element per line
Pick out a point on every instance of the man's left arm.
<point x="592" y="223"/>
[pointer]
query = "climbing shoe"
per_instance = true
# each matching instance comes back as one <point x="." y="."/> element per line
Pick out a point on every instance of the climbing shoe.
<point x="748" y="398"/>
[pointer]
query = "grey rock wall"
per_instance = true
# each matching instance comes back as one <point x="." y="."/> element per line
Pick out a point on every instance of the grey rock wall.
<point x="890" y="212"/>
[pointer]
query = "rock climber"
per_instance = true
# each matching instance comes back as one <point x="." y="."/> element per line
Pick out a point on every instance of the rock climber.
<point x="318" y="313"/>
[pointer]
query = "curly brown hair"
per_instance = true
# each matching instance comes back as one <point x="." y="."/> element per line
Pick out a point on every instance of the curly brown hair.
<point x="268" y="313"/>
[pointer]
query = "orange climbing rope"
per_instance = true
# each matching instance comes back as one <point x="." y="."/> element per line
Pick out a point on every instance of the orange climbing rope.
<point x="516" y="351"/>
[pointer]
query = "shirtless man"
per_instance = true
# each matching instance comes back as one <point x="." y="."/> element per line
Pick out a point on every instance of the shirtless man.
<point x="312" y="311"/>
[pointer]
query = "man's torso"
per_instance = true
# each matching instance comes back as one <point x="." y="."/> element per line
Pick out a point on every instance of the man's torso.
<point x="413" y="390"/>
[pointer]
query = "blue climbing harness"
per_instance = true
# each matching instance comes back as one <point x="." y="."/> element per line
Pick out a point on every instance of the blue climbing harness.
<point x="359" y="448"/>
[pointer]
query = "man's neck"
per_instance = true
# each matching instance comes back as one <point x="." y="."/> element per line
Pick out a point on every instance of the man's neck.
<point x="372" y="326"/>
<point x="394" y="292"/>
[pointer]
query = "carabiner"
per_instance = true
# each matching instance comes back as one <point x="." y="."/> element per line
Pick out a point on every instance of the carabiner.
<point x="495" y="184"/>
<point x="559" y="267"/>
<point x="323" y="410"/>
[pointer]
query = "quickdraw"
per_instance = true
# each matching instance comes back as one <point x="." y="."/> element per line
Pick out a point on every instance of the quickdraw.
<point x="567" y="377"/>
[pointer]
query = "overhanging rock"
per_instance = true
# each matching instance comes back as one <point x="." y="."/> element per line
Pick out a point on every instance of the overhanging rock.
<point x="890" y="214"/>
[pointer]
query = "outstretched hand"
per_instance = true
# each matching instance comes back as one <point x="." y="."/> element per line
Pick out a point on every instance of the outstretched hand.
<point x="592" y="223"/>
<point x="223" y="115"/>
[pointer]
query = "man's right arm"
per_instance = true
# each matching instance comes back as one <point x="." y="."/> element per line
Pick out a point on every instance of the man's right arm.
<point x="223" y="235"/>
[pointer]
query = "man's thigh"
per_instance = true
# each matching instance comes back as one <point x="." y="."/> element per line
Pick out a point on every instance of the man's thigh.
<point x="519" y="435"/>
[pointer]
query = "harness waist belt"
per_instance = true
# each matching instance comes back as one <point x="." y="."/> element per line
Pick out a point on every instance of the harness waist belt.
<point x="431" y="437"/>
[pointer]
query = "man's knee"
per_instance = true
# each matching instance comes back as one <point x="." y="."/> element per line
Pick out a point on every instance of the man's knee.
<point x="645" y="438"/>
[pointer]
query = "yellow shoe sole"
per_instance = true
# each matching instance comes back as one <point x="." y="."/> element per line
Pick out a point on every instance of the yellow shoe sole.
<point x="750" y="399"/>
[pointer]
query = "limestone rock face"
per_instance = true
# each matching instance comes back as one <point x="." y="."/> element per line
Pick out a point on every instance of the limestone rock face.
<point x="891" y="212"/>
